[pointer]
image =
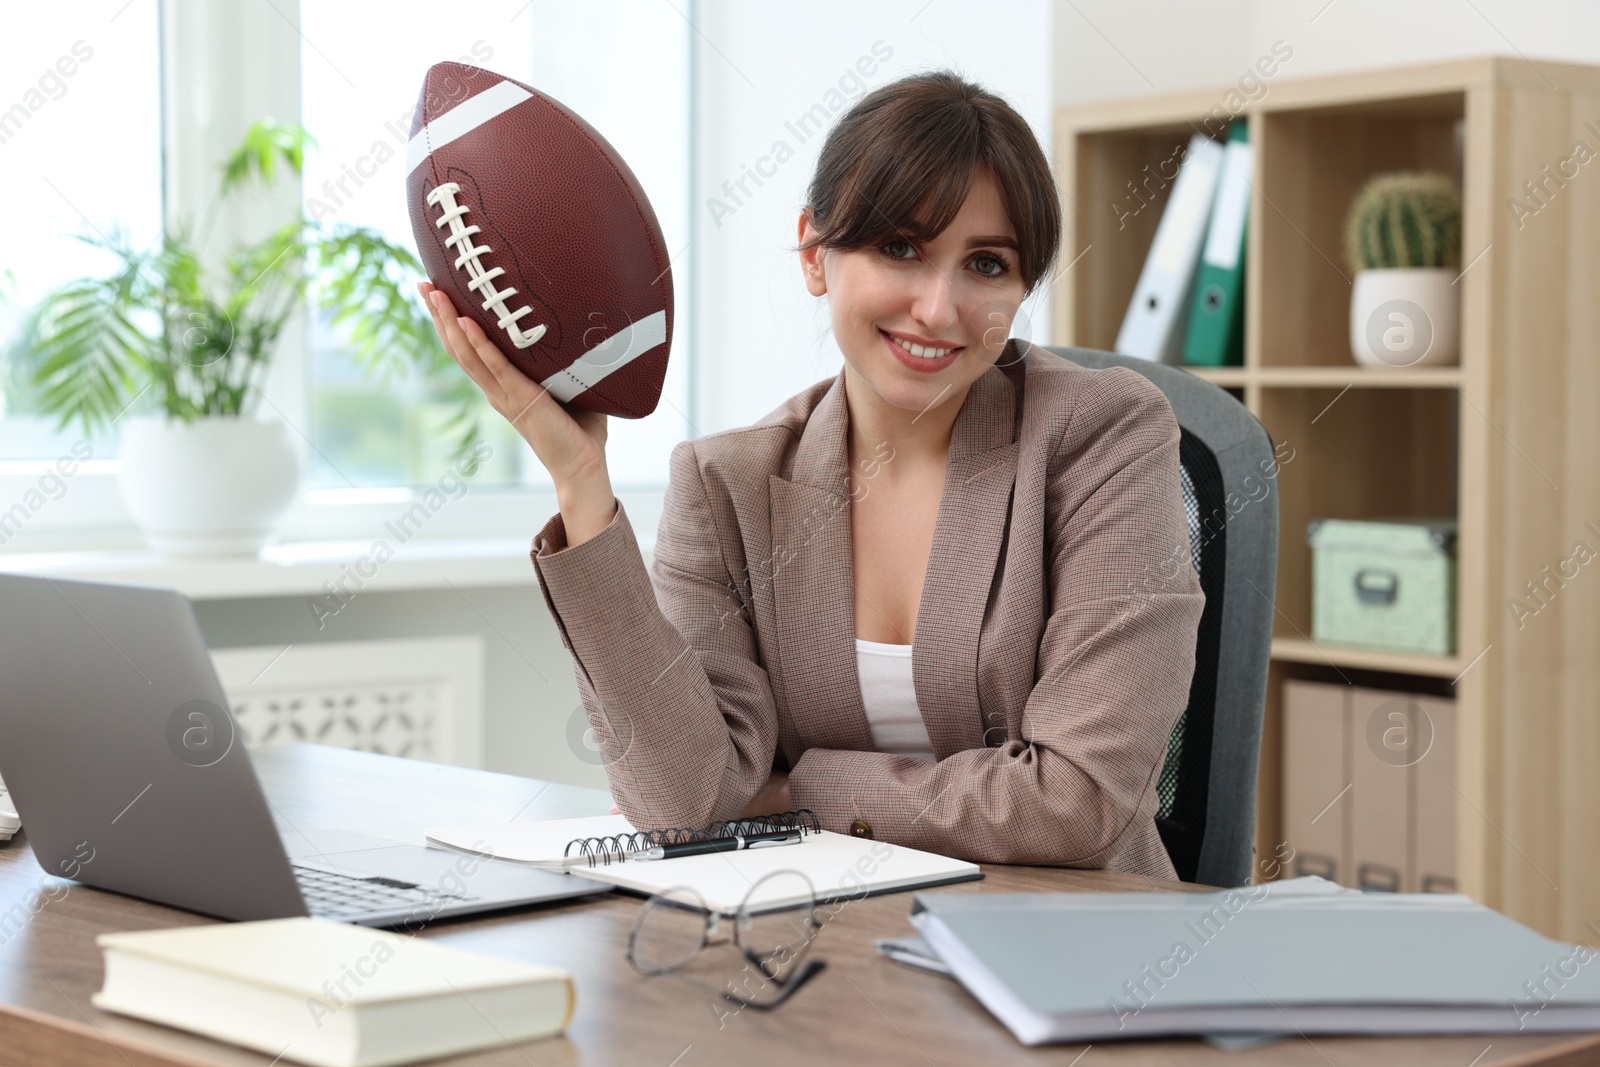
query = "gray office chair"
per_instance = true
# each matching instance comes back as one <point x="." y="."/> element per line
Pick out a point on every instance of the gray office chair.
<point x="1208" y="784"/>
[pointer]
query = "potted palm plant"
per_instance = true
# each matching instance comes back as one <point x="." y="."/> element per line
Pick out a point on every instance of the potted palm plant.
<point x="1403" y="239"/>
<point x="183" y="347"/>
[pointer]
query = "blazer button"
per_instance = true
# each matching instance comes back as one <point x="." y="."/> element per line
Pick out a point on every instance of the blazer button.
<point x="861" y="828"/>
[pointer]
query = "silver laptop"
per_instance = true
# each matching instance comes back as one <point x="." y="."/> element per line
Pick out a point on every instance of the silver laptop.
<point x="127" y="768"/>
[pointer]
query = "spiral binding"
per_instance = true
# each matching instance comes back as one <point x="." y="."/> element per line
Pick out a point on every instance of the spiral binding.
<point x="618" y="847"/>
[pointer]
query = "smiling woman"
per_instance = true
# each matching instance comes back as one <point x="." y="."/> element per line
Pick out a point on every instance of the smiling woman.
<point x="905" y="599"/>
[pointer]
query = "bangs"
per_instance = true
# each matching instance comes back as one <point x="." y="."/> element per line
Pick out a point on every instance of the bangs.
<point x="912" y="185"/>
<point x="901" y="163"/>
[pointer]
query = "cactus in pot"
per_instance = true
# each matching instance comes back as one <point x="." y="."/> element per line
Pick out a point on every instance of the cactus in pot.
<point x="1402" y="239"/>
<point x="1404" y="220"/>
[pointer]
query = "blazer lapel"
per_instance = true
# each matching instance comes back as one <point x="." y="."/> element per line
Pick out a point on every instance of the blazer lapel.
<point x="813" y="587"/>
<point x="967" y="536"/>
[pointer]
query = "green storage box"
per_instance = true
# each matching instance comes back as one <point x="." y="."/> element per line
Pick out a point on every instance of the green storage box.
<point x="1387" y="584"/>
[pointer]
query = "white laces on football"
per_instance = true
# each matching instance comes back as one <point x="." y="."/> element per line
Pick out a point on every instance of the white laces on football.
<point x="482" y="281"/>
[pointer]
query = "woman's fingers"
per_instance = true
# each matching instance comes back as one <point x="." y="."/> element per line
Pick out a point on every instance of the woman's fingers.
<point x="427" y="290"/>
<point x="562" y="441"/>
<point x="507" y="388"/>
<point x="521" y="394"/>
<point x="440" y="308"/>
<point x="464" y="352"/>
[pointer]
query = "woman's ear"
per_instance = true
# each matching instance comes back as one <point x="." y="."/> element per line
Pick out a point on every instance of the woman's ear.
<point x="811" y="266"/>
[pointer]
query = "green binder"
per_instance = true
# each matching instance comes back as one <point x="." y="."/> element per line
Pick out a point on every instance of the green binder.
<point x="1215" y="336"/>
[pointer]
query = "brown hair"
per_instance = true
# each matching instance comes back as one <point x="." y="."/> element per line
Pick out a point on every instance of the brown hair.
<point x="900" y="162"/>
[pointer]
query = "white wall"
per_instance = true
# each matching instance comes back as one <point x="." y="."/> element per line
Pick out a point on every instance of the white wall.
<point x="1106" y="49"/>
<point x="761" y="337"/>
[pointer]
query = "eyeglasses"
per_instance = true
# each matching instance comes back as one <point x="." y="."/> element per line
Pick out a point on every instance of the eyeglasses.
<point x="773" y="929"/>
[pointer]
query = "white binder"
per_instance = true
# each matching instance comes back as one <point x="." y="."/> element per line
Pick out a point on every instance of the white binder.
<point x="1153" y="327"/>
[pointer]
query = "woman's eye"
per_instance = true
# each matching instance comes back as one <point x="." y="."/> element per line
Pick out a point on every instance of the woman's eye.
<point x="1001" y="266"/>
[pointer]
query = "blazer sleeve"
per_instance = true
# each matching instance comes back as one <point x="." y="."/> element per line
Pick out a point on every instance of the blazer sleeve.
<point x="681" y="707"/>
<point x="1112" y="675"/>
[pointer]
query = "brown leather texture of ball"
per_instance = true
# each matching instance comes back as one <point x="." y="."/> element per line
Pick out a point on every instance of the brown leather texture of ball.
<point x="559" y="210"/>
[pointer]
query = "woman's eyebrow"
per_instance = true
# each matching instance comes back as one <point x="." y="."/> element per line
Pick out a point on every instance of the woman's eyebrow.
<point x="1003" y="242"/>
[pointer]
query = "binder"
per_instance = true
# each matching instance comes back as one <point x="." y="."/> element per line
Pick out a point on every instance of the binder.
<point x="1215" y="333"/>
<point x="1434" y="802"/>
<point x="1153" y="326"/>
<point x="1380" y="799"/>
<point x="1394" y="829"/>
<point x="1316" y="801"/>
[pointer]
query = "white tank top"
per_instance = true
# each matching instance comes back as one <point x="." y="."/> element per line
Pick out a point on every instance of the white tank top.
<point x="891" y="700"/>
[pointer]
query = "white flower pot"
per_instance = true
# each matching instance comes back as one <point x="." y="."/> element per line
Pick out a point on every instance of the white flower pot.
<point x="216" y="487"/>
<point x="1405" y="317"/>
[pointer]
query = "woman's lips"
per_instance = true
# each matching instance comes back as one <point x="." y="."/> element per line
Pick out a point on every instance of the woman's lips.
<point x="917" y="363"/>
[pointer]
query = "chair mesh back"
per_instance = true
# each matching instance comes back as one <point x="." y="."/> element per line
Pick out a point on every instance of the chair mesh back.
<point x="1185" y="777"/>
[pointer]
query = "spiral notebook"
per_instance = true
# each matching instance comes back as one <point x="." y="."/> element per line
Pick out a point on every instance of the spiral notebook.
<point x="838" y="866"/>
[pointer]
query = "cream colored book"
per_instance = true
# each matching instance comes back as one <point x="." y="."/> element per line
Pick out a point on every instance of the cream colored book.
<point x="330" y="994"/>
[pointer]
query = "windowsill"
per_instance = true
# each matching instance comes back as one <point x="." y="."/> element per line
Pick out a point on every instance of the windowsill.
<point x="300" y="568"/>
<point x="482" y="539"/>
<point x="296" y="568"/>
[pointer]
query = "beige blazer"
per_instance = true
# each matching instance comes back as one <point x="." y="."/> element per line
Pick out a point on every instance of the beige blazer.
<point x="1054" y="641"/>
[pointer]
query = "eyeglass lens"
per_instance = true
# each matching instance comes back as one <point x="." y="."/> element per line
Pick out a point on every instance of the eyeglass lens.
<point x="671" y="930"/>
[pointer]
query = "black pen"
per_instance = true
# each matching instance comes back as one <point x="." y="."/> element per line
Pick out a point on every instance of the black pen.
<point x="722" y="844"/>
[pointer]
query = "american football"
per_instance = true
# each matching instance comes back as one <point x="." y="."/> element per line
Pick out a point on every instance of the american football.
<point x="538" y="230"/>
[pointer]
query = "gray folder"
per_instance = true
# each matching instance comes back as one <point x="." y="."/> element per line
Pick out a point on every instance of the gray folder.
<point x="1300" y="956"/>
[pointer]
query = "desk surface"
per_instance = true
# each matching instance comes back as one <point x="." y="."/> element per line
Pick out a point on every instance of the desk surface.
<point x="862" y="1009"/>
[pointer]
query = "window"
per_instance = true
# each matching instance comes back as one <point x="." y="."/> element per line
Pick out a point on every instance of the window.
<point x="80" y="100"/>
<point x="592" y="58"/>
<point x="89" y="93"/>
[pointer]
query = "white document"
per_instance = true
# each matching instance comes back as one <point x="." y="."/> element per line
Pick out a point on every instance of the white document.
<point x="839" y="867"/>
<point x="541" y="844"/>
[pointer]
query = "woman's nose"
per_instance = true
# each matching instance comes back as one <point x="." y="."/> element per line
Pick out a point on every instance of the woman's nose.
<point x="935" y="303"/>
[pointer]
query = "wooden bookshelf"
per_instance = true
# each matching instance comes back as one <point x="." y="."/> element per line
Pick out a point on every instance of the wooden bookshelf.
<point x="1507" y="442"/>
<point x="1300" y="650"/>
<point x="1331" y="377"/>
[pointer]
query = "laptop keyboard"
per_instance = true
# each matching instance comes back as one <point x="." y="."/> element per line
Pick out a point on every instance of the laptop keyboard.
<point x="330" y="894"/>
<point x="9" y="823"/>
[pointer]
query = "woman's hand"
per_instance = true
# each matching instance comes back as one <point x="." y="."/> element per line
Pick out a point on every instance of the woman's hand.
<point x="571" y="445"/>
<point x="771" y="799"/>
<point x="768" y="800"/>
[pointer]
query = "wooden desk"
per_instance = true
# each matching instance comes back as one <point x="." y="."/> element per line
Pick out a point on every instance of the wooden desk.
<point x="861" y="1010"/>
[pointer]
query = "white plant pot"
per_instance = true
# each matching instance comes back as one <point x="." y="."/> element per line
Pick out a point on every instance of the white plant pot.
<point x="216" y="487"/>
<point x="1405" y="317"/>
